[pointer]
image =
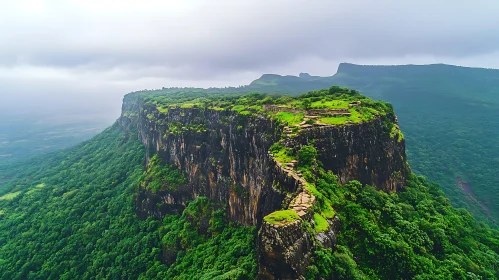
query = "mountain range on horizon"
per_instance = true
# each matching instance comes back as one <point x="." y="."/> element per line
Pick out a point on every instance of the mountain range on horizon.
<point x="352" y="67"/>
<point x="305" y="81"/>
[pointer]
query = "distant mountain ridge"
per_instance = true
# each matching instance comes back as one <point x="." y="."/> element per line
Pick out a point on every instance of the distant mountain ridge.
<point x="305" y="80"/>
<point x="289" y="84"/>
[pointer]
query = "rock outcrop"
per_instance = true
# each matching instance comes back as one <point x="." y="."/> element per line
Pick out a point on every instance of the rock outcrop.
<point x="283" y="250"/>
<point x="225" y="156"/>
<point x="363" y="152"/>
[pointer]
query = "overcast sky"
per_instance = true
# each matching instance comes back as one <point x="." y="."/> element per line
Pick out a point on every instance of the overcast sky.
<point x="94" y="51"/>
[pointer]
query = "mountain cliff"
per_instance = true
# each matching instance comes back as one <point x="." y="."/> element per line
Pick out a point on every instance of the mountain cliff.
<point x="248" y="155"/>
<point x="448" y="113"/>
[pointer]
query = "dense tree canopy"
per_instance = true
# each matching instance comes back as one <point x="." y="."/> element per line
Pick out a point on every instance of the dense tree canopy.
<point x="71" y="215"/>
<point x="415" y="234"/>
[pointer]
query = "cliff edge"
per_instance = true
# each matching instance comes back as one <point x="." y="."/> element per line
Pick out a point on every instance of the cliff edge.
<point x="260" y="157"/>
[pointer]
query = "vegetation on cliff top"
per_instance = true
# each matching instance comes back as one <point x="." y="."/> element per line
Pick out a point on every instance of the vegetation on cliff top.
<point x="355" y="108"/>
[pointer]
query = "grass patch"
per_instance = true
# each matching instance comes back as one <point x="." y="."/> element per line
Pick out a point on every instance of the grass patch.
<point x="216" y="108"/>
<point x="355" y="117"/>
<point x="239" y="108"/>
<point x="320" y="222"/>
<point x="290" y="118"/>
<point x="188" y="105"/>
<point x="331" y="104"/>
<point x="281" y="217"/>
<point x="395" y="132"/>
<point x="311" y="188"/>
<point x="327" y="211"/>
<point x="10" y="196"/>
<point x="334" y="120"/>
<point x="162" y="109"/>
<point x="282" y="154"/>
<point x="258" y="108"/>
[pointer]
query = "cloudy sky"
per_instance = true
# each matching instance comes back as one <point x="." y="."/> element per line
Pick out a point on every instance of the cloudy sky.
<point x="84" y="52"/>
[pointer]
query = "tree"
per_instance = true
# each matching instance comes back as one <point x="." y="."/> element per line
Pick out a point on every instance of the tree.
<point x="307" y="155"/>
<point x="307" y="104"/>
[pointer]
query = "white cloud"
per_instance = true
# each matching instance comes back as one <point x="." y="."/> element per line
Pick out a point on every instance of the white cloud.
<point x="63" y="48"/>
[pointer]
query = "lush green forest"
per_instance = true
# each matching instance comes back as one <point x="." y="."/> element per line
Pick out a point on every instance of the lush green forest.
<point x="415" y="234"/>
<point x="71" y="215"/>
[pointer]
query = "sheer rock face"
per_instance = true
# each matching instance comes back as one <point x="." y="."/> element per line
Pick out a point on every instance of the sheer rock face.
<point x="284" y="251"/>
<point x="224" y="156"/>
<point x="363" y="152"/>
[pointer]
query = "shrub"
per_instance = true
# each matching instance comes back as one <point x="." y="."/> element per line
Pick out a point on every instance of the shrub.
<point x="307" y="155"/>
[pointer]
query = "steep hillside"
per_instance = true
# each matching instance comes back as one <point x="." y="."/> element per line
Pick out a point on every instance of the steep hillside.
<point x="71" y="215"/>
<point x="449" y="115"/>
<point x="231" y="186"/>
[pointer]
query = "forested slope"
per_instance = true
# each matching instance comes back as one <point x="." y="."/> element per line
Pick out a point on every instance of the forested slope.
<point x="71" y="215"/>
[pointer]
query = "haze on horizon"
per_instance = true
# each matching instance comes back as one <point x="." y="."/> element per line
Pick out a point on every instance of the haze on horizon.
<point x="83" y="56"/>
